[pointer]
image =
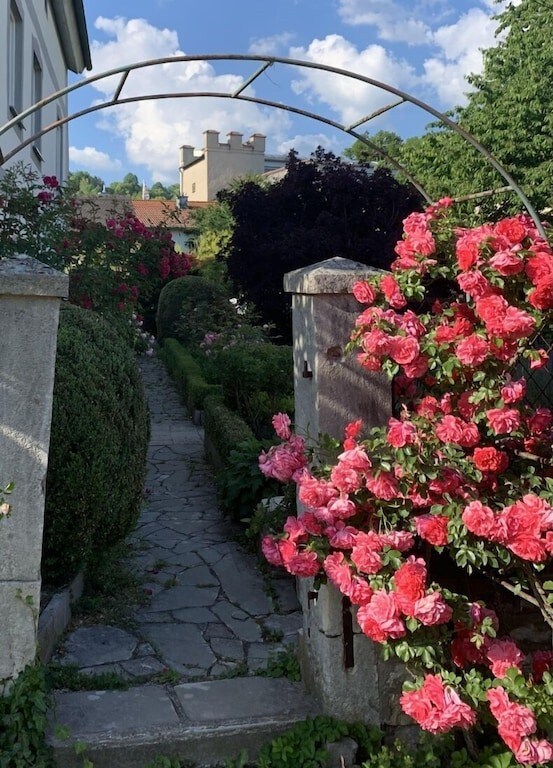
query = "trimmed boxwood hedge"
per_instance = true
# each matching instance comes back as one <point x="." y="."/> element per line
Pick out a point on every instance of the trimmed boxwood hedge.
<point x="224" y="429"/>
<point x="99" y="438"/>
<point x="189" y="307"/>
<point x="187" y="375"/>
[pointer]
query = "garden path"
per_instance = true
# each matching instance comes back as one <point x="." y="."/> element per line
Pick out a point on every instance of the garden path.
<point x="209" y="614"/>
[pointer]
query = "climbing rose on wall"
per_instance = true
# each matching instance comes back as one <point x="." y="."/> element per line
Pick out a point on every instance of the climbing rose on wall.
<point x="456" y="470"/>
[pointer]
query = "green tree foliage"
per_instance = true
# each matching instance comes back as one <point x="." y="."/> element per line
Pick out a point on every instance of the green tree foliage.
<point x="160" y="192"/>
<point x="389" y="141"/>
<point x="83" y="184"/>
<point x="130" y="186"/>
<point x="321" y="209"/>
<point x="510" y="112"/>
<point x="214" y="225"/>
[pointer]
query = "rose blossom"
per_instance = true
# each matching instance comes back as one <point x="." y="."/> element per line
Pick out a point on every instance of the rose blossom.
<point x="404" y="349"/>
<point x="503" y="420"/>
<point x="472" y="351"/>
<point x="391" y="291"/>
<point x="379" y="619"/>
<point x="364" y="292"/>
<point x="513" y="391"/>
<point x="432" y="528"/>
<point x="281" y="424"/>
<point x="503" y="655"/>
<point x="514" y="720"/>
<point x="401" y="433"/>
<point x="304" y="563"/>
<point x="489" y="459"/>
<point x="432" y="609"/>
<point x="338" y="571"/>
<point x="480" y="520"/>
<point x="271" y="551"/>
<point x="437" y="708"/>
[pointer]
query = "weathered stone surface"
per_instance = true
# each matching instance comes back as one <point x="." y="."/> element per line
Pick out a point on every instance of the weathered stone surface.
<point x="145" y="665"/>
<point x="88" y="713"/>
<point x="89" y="646"/>
<point x="237" y="621"/>
<point x="176" y="598"/>
<point x="234" y="699"/>
<point x="180" y="645"/>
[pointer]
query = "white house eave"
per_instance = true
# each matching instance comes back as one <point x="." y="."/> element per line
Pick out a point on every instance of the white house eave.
<point x="71" y="25"/>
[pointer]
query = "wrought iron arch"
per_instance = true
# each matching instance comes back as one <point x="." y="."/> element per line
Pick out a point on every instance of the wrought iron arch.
<point x="266" y="62"/>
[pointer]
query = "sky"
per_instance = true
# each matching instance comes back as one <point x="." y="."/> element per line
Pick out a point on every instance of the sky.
<point x="423" y="47"/>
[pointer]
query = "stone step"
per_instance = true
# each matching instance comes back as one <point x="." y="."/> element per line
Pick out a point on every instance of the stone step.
<point x="203" y="723"/>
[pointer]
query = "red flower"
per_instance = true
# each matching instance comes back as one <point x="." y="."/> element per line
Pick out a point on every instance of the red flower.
<point x="432" y="528"/>
<point x="489" y="459"/>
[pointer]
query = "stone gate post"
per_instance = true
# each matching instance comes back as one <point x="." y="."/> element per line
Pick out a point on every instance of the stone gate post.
<point x="30" y="295"/>
<point x="339" y="664"/>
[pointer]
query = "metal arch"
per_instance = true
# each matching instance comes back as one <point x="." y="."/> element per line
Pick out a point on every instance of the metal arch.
<point x="266" y="62"/>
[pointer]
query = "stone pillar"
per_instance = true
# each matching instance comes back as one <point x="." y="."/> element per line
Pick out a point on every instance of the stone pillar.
<point x="30" y="295"/>
<point x="340" y="665"/>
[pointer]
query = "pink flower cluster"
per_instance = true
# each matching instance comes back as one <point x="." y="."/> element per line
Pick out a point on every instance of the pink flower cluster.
<point x="445" y="469"/>
<point x="525" y="527"/>
<point x="437" y="707"/>
<point x="515" y="723"/>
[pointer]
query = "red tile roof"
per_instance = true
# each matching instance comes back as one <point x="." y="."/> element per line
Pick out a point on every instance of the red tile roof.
<point x="152" y="213"/>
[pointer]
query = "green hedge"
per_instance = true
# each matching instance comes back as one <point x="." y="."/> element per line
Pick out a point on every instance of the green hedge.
<point x="257" y="381"/>
<point x="191" y="306"/>
<point x="99" y="438"/>
<point x="187" y="375"/>
<point x="224" y="429"/>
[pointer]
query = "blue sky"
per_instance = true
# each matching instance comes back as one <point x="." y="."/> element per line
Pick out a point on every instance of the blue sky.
<point x="424" y="47"/>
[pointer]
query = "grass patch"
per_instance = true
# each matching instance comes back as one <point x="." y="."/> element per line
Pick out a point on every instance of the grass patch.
<point x="69" y="678"/>
<point x="112" y="591"/>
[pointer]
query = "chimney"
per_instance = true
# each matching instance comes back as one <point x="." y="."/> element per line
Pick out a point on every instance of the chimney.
<point x="186" y="155"/>
<point x="181" y="202"/>
<point x="234" y="140"/>
<point x="257" y="141"/>
<point x="211" y="139"/>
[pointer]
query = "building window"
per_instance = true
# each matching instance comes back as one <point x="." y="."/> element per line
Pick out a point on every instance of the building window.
<point x="193" y="186"/>
<point x="15" y="60"/>
<point x="37" y="96"/>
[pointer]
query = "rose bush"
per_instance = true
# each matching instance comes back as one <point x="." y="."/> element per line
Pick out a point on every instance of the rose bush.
<point x="117" y="268"/>
<point x="461" y="475"/>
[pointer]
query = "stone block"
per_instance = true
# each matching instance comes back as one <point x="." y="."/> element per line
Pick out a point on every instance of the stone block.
<point x="19" y="605"/>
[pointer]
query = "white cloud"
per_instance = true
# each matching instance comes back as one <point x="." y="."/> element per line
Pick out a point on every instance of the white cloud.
<point x="351" y="99"/>
<point x="90" y="157"/>
<point x="305" y="144"/>
<point x="271" y="46"/>
<point x="392" y="20"/>
<point x="152" y="131"/>
<point x="459" y="53"/>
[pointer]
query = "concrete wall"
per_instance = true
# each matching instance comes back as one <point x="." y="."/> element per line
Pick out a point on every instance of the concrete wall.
<point x="221" y="163"/>
<point x="340" y="665"/>
<point x="40" y="38"/>
<point x="29" y="308"/>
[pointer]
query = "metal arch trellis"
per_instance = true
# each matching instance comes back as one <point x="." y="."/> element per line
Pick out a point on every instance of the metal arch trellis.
<point x="266" y="62"/>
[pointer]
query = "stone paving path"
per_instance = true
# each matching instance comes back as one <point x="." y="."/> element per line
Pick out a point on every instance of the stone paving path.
<point x="209" y="612"/>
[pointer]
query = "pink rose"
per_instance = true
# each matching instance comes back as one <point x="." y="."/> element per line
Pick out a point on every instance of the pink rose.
<point x="472" y="351"/>
<point x="503" y="655"/>
<point x="432" y="609"/>
<point x="380" y="619"/>
<point x="433" y="529"/>
<point x="281" y="424"/>
<point x="364" y="292"/>
<point x="503" y="420"/>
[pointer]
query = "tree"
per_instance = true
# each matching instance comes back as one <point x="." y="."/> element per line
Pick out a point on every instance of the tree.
<point x="160" y="192"/>
<point x="510" y="112"/>
<point x="320" y="209"/>
<point x="83" y="184"/>
<point x="129" y="187"/>
<point x="389" y="141"/>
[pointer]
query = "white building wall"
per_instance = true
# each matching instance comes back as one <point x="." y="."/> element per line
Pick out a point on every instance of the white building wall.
<point x="220" y="164"/>
<point x="40" y="39"/>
